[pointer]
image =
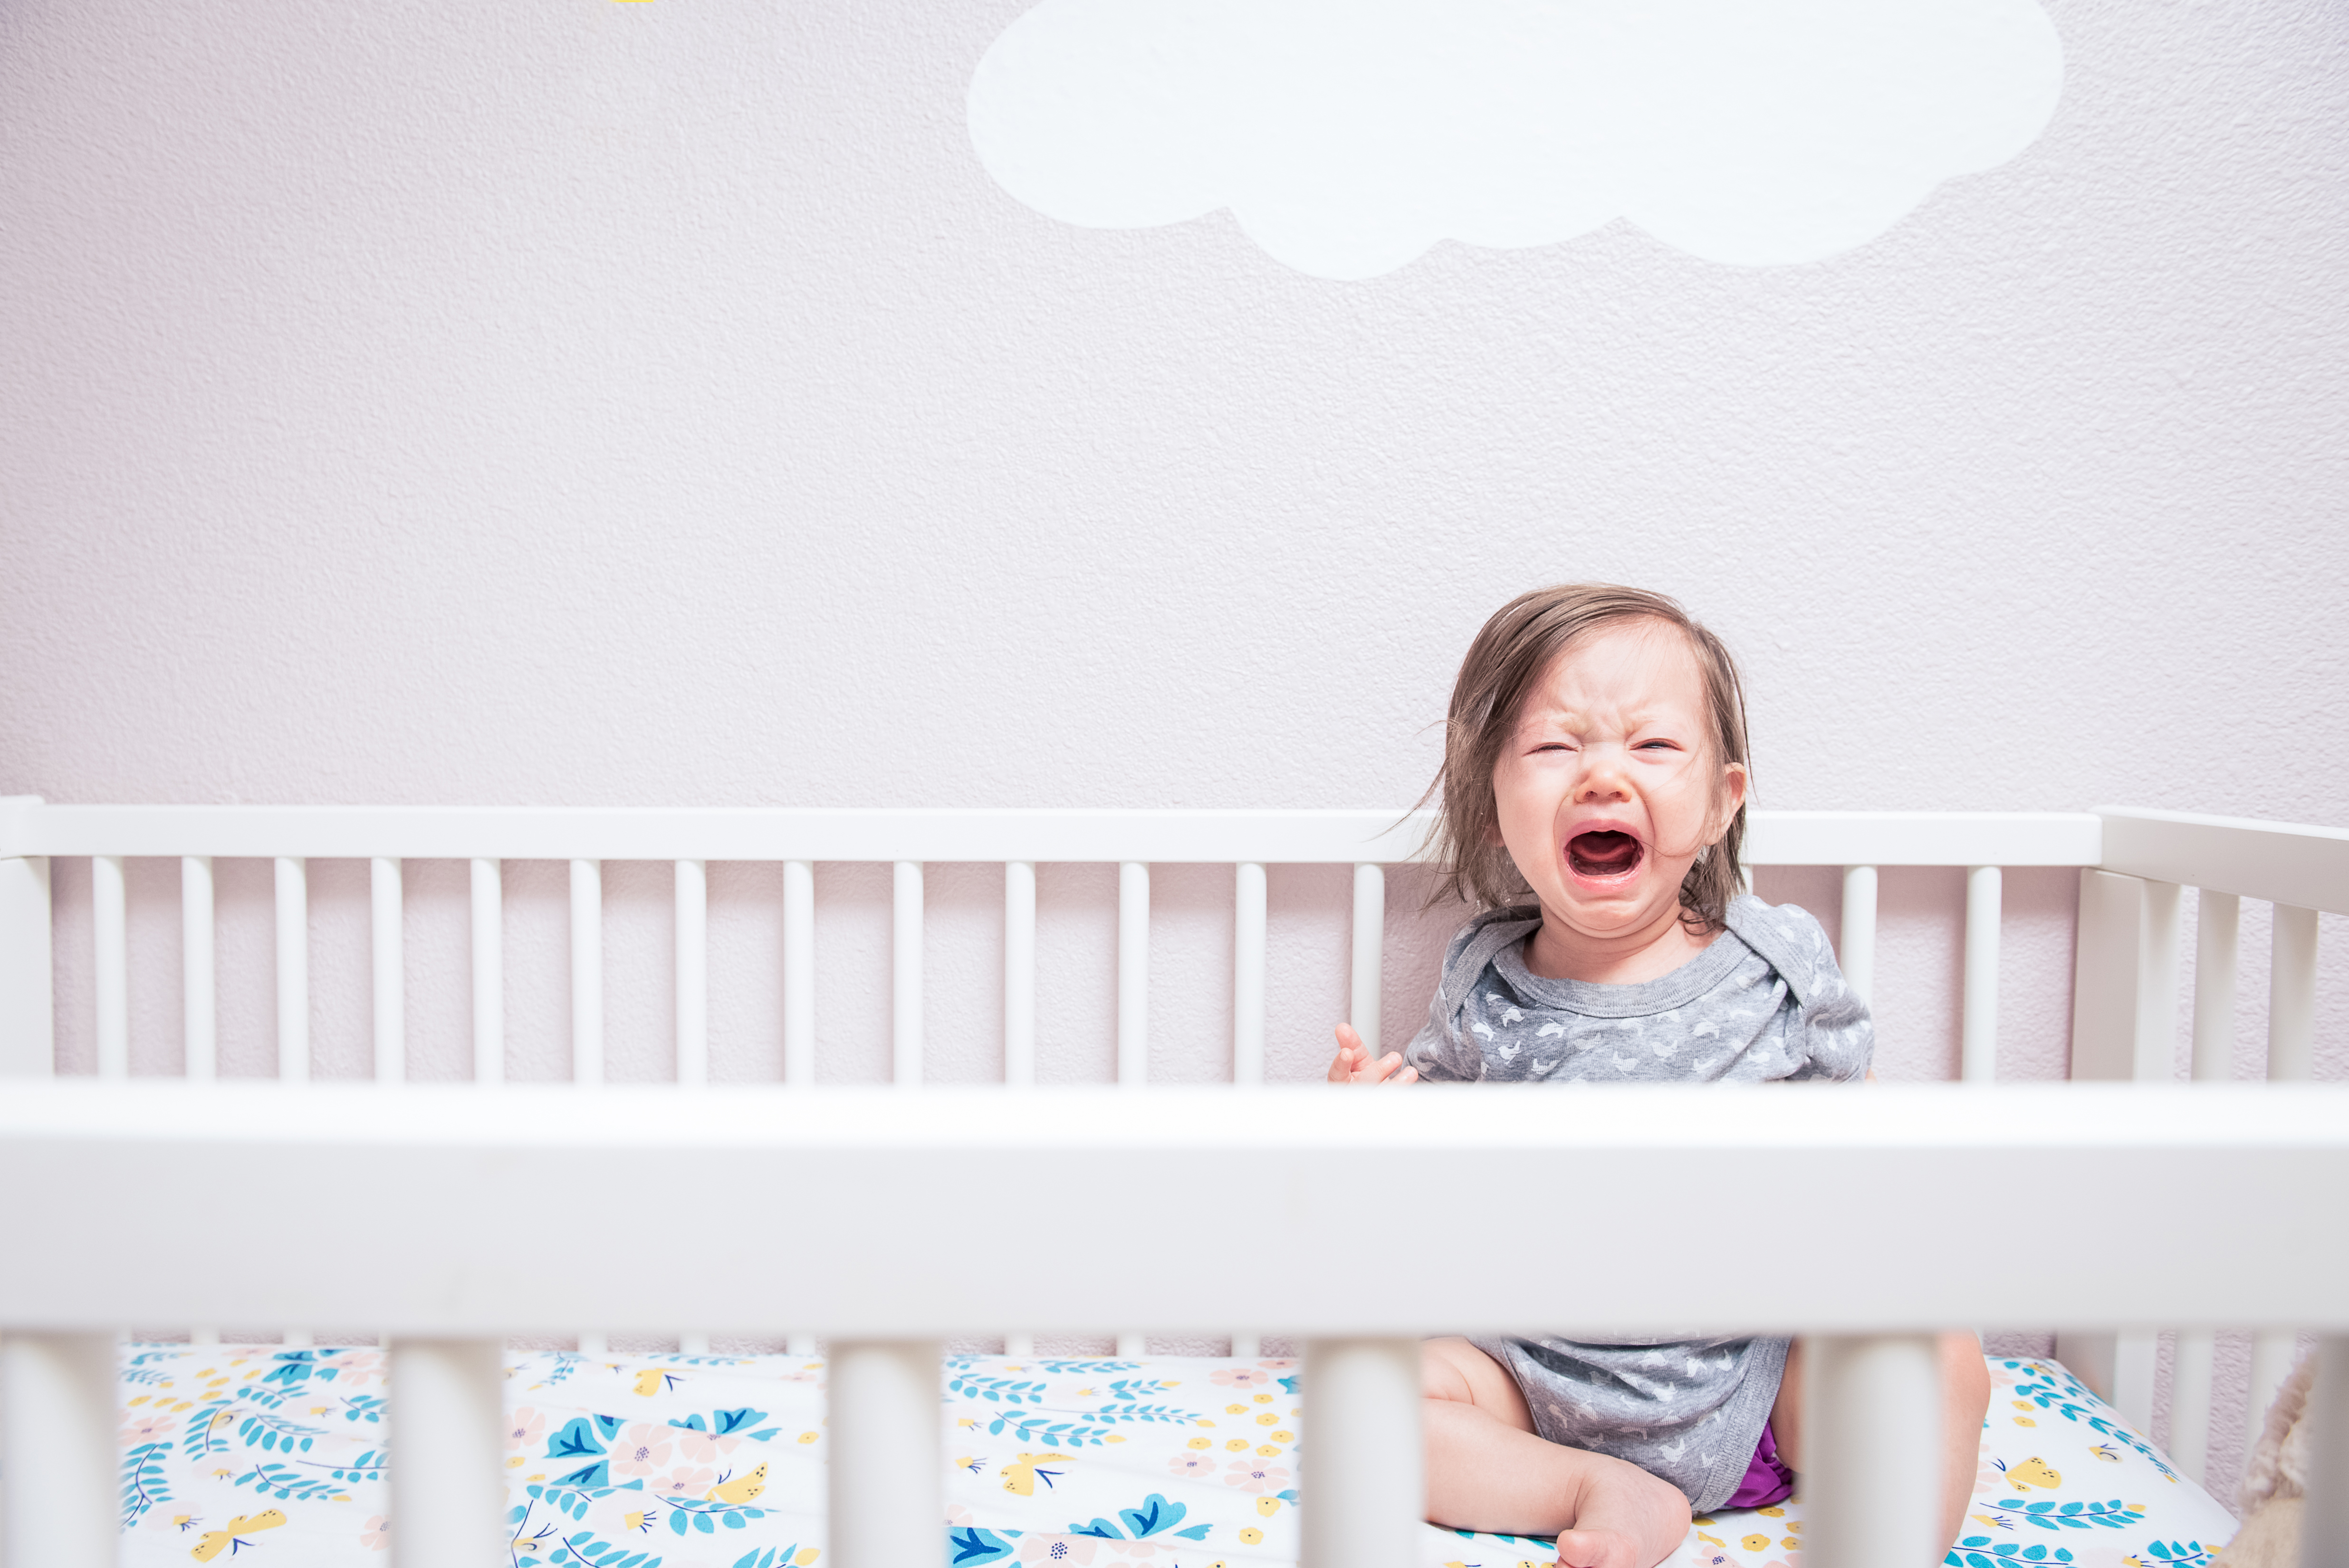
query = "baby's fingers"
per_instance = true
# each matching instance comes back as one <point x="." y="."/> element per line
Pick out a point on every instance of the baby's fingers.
<point x="1346" y="1066"/>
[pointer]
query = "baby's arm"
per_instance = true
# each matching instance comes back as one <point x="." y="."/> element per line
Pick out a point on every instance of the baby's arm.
<point x="1353" y="1063"/>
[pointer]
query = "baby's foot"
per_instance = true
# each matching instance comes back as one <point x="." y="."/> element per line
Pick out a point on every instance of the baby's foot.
<point x="1624" y="1518"/>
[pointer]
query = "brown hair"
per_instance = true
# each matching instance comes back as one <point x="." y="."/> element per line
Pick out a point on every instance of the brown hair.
<point x="1521" y="641"/>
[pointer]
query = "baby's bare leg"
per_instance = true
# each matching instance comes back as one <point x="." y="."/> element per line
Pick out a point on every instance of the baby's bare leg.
<point x="1487" y="1470"/>
<point x="1965" y="1396"/>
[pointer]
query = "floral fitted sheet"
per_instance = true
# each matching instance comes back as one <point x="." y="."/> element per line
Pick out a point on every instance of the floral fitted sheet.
<point x="277" y="1459"/>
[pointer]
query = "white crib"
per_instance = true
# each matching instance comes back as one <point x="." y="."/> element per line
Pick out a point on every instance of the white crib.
<point x="875" y="1266"/>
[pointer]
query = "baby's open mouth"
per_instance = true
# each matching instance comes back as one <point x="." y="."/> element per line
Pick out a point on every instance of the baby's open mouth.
<point x="1605" y="854"/>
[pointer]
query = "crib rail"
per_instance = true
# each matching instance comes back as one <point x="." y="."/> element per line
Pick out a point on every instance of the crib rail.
<point x="866" y="1207"/>
<point x="861" y="1212"/>
<point x="2135" y="867"/>
<point x="290" y="836"/>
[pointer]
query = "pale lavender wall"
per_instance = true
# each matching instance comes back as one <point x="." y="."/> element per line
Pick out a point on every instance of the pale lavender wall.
<point x="597" y="403"/>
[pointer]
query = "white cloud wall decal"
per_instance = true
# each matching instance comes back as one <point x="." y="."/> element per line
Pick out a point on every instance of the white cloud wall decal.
<point x="1349" y="136"/>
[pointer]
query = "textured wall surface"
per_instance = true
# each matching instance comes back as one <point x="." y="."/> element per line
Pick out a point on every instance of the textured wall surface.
<point x="588" y="403"/>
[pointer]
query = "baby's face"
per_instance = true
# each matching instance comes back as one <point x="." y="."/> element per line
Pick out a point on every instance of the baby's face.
<point x="1609" y="786"/>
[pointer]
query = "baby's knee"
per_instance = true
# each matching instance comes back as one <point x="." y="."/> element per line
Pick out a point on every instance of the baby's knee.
<point x="1443" y="1371"/>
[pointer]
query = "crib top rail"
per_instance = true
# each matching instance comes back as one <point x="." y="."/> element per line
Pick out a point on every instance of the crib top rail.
<point x="887" y="1212"/>
<point x="31" y="827"/>
<point x="2305" y="867"/>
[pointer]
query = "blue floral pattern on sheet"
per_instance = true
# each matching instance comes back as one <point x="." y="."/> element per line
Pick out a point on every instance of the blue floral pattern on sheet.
<point x="280" y="1458"/>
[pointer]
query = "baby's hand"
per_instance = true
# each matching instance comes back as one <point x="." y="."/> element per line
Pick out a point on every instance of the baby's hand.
<point x="1353" y="1063"/>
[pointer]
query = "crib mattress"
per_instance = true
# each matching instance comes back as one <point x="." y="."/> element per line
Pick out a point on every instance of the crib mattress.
<point x="277" y="1457"/>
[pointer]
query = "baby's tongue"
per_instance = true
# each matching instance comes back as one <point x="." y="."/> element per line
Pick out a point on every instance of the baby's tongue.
<point x="1603" y="854"/>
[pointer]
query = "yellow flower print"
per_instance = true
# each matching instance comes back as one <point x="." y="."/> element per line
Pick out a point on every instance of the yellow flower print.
<point x="743" y="1488"/>
<point x="1235" y="1409"/>
<point x="1264" y="1398"/>
<point x="1755" y="1543"/>
<point x="1251" y="1535"/>
<point x="1200" y="1443"/>
<point x="2033" y="1471"/>
<point x="1021" y="1475"/>
<point x="216" y="1542"/>
<point x="1284" y="1437"/>
<point x="1238" y="1445"/>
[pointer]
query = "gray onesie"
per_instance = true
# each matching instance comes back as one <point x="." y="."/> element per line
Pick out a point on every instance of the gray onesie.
<point x="1764" y="1001"/>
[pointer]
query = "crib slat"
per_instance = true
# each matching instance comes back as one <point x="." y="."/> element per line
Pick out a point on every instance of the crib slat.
<point x="1370" y="951"/>
<point x="593" y="1342"/>
<point x="58" y="1493"/>
<point x="1870" y="1473"/>
<point x="2292" y="1059"/>
<point x="2291" y="995"/>
<point x="905" y="991"/>
<point x="586" y="972"/>
<point x="2137" y="1352"/>
<point x="1247" y="1344"/>
<point x="799" y="972"/>
<point x="2161" y="924"/>
<point x="489" y="973"/>
<point x="1019" y="1345"/>
<point x="692" y="972"/>
<point x="1857" y="954"/>
<point x="2326" y="1523"/>
<point x="27" y="980"/>
<point x="1020" y="972"/>
<point x="1133" y="1006"/>
<point x="1978" y="1053"/>
<point x="693" y="1342"/>
<point x="448" y="1471"/>
<point x="386" y="919"/>
<point x="1362" y="1482"/>
<point x="111" y="957"/>
<point x="293" y="969"/>
<point x="199" y="971"/>
<point x="802" y="1344"/>
<point x="886" y="1496"/>
<point x="1134" y="973"/>
<point x="2217" y="945"/>
<point x="1247" y="972"/>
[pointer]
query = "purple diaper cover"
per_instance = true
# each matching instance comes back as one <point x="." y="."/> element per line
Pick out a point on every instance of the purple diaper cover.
<point x="1767" y="1478"/>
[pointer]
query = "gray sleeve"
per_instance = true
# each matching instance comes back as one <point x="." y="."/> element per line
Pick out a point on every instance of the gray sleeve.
<point x="1834" y="1036"/>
